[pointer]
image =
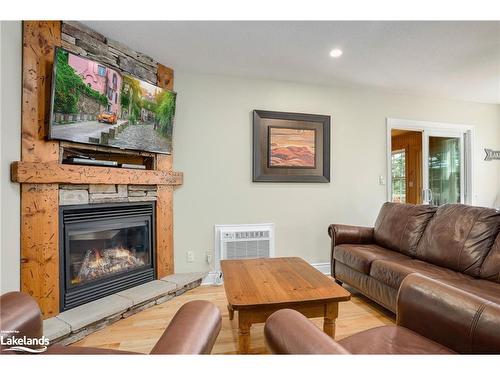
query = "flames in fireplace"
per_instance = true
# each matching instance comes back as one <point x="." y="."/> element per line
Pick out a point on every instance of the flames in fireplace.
<point x="99" y="263"/>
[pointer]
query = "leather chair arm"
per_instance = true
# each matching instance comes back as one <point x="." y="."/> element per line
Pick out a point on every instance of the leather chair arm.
<point x="20" y="316"/>
<point x="289" y="332"/>
<point x="347" y="234"/>
<point x="350" y="234"/>
<point x="450" y="316"/>
<point x="193" y="330"/>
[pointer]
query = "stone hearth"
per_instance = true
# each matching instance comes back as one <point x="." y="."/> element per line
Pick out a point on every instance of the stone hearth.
<point x="73" y="325"/>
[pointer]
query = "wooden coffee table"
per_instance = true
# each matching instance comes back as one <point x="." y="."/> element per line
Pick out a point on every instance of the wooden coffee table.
<point x="258" y="287"/>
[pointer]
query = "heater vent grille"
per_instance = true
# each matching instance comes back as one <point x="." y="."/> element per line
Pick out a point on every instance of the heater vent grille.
<point x="243" y="242"/>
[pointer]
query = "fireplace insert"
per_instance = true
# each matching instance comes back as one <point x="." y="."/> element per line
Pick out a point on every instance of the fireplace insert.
<point x="105" y="248"/>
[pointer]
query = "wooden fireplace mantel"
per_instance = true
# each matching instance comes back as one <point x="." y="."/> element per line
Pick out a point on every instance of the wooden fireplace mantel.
<point x="40" y="172"/>
<point x="56" y="173"/>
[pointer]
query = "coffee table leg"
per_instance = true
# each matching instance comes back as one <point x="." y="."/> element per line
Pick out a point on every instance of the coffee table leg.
<point x="231" y="312"/>
<point x="243" y="333"/>
<point x="331" y="313"/>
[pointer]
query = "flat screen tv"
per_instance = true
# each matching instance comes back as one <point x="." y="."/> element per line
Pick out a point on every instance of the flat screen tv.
<point x="96" y="104"/>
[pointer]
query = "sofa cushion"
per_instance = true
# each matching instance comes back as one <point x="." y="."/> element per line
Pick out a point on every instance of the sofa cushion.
<point x="490" y="270"/>
<point x="360" y="257"/>
<point x="459" y="237"/>
<point x="399" y="227"/>
<point x="391" y="340"/>
<point x="379" y="292"/>
<point x="392" y="272"/>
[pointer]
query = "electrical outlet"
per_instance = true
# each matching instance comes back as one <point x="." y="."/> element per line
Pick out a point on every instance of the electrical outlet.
<point x="190" y="257"/>
<point x="209" y="256"/>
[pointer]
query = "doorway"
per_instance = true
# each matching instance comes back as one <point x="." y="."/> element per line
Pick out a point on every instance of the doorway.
<point x="406" y="166"/>
<point x="429" y="163"/>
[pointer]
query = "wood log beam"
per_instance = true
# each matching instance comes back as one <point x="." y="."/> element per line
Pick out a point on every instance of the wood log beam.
<point x="56" y="173"/>
<point x="39" y="203"/>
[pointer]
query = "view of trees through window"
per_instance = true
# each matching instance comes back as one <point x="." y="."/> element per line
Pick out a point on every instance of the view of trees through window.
<point x="398" y="170"/>
<point x="444" y="169"/>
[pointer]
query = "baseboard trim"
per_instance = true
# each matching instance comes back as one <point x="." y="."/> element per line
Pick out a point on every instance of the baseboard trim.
<point x="214" y="278"/>
<point x="322" y="267"/>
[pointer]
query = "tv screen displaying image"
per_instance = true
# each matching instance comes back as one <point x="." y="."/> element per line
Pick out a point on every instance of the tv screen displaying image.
<point x="93" y="103"/>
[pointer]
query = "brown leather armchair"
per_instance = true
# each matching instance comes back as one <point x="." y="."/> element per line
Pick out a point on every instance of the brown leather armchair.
<point x="193" y="329"/>
<point x="432" y="318"/>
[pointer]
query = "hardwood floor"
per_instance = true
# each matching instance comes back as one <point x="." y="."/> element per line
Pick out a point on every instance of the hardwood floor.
<point x="140" y="332"/>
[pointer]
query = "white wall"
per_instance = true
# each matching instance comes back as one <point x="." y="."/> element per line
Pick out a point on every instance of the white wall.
<point x="10" y="140"/>
<point x="213" y="147"/>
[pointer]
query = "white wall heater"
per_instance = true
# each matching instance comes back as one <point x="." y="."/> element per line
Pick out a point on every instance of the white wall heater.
<point x="243" y="241"/>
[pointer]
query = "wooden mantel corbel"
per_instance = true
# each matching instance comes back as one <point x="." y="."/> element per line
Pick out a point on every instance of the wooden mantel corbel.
<point x="56" y="173"/>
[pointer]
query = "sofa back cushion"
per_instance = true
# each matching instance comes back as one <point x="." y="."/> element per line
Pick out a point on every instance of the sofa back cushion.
<point x="399" y="227"/>
<point x="459" y="237"/>
<point x="490" y="270"/>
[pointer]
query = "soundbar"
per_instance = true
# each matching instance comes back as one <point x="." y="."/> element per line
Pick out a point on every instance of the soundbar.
<point x="88" y="161"/>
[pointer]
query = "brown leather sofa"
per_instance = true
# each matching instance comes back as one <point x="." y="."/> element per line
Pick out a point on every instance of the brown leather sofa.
<point x="432" y="318"/>
<point x="193" y="330"/>
<point x="455" y="244"/>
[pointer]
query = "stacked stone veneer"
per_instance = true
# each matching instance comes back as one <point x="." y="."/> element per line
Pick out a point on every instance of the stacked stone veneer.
<point x="85" y="194"/>
<point x="82" y="40"/>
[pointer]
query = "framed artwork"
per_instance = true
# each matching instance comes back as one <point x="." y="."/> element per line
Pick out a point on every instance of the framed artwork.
<point x="290" y="147"/>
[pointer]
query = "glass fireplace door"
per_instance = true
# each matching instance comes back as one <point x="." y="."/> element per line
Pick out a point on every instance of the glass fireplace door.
<point x="99" y="250"/>
<point x="105" y="248"/>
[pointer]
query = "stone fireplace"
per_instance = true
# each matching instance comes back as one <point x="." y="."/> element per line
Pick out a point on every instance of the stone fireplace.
<point x="104" y="249"/>
<point x="61" y="262"/>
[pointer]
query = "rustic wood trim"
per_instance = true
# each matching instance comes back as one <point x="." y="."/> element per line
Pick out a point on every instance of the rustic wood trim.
<point x="39" y="41"/>
<point x="164" y="232"/>
<point x="39" y="203"/>
<point x="165" y="77"/>
<point x="40" y="245"/>
<point x="164" y="162"/>
<point x="164" y="200"/>
<point x="55" y="173"/>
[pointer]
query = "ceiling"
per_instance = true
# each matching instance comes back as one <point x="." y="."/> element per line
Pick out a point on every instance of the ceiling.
<point x="457" y="60"/>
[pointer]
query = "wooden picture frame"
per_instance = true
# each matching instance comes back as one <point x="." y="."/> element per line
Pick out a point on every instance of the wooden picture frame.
<point x="290" y="147"/>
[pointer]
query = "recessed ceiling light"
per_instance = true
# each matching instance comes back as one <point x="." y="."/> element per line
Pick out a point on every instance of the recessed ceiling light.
<point x="336" y="52"/>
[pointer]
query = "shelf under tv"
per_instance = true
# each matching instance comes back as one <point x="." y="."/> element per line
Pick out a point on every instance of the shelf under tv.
<point x="102" y="156"/>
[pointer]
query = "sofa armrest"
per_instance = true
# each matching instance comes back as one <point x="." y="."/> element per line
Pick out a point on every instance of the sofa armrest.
<point x="193" y="330"/>
<point x="341" y="234"/>
<point x="347" y="234"/>
<point x="20" y="316"/>
<point x="448" y="315"/>
<point x="289" y="332"/>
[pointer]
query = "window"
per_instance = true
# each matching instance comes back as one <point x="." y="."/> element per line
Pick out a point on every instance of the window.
<point x="101" y="70"/>
<point x="116" y="97"/>
<point x="398" y="170"/>
<point x="115" y="79"/>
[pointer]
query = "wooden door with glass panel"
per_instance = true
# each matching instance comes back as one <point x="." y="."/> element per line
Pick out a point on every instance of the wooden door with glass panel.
<point x="427" y="167"/>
